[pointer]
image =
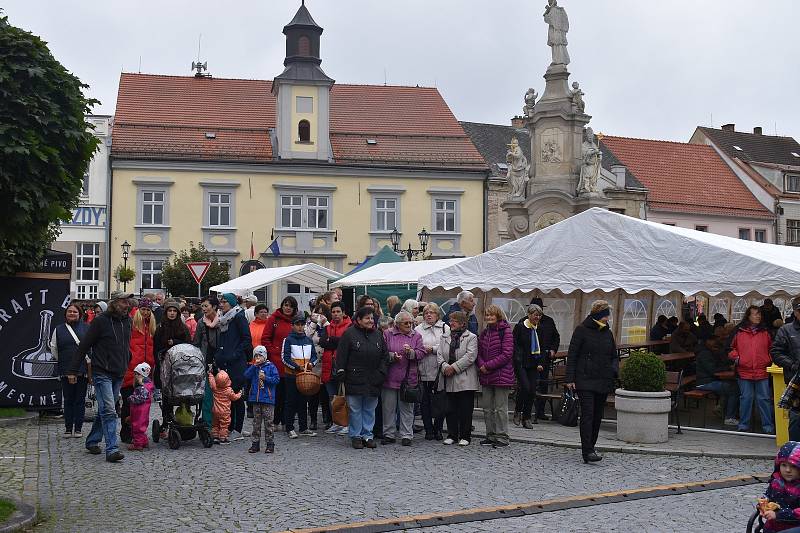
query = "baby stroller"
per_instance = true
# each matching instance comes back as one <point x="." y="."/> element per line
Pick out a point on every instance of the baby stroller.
<point x="183" y="382"/>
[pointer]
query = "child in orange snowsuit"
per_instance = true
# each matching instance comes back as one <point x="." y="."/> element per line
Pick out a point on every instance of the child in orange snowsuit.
<point x="221" y="410"/>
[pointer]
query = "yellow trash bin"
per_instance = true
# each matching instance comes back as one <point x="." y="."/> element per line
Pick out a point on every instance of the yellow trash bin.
<point x="781" y="415"/>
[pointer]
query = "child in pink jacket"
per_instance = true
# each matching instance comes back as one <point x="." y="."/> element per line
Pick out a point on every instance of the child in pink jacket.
<point x="141" y="399"/>
<point x="221" y="410"/>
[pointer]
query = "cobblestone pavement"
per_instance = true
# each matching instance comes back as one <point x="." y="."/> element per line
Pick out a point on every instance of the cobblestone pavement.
<point x="19" y="462"/>
<point x="321" y="481"/>
<point x="723" y="510"/>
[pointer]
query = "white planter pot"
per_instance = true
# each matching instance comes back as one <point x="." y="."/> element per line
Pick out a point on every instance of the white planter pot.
<point x="642" y="416"/>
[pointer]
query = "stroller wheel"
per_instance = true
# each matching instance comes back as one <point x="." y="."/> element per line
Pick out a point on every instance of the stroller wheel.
<point x="156" y="431"/>
<point x="205" y="438"/>
<point x="174" y="439"/>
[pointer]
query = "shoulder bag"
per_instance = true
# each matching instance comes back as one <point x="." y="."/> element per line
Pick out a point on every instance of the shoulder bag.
<point x="568" y="412"/>
<point x="440" y="403"/>
<point x="408" y="393"/>
<point x="339" y="414"/>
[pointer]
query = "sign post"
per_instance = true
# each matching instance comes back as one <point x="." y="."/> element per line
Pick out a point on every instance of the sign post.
<point x="198" y="270"/>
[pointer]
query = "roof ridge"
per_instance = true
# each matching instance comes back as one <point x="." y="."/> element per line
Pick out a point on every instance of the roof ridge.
<point x="490" y="124"/>
<point x="706" y="128"/>
<point x="604" y="136"/>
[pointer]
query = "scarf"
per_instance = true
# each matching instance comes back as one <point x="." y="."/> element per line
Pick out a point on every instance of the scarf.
<point x="211" y="323"/>
<point x="225" y="319"/>
<point x="535" y="348"/>
<point x="455" y="342"/>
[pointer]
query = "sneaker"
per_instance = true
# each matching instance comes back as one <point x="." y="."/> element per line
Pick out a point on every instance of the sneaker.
<point x="463" y="442"/>
<point x="731" y="422"/>
<point x="328" y="425"/>
<point x="270" y="447"/>
<point x="235" y="435"/>
<point x="225" y="441"/>
<point x="94" y="450"/>
<point x="308" y="433"/>
<point x="114" y="457"/>
<point x="343" y="432"/>
<point x="77" y="435"/>
<point x="217" y="441"/>
<point x="292" y="434"/>
<point x="487" y="442"/>
<point x="68" y="434"/>
<point x="254" y="448"/>
<point x="333" y="429"/>
<point x="448" y="441"/>
<point x="405" y="442"/>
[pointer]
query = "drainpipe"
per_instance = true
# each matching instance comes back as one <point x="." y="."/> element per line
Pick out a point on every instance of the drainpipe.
<point x="776" y="222"/>
<point x="109" y="189"/>
<point x="485" y="211"/>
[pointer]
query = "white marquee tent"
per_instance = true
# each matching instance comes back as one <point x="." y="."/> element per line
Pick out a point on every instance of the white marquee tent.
<point x="405" y="272"/>
<point x="310" y="275"/>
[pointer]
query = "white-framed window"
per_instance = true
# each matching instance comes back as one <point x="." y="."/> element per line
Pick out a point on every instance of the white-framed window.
<point x="744" y="234"/>
<point x="792" y="183"/>
<point x="305" y="104"/>
<point x="792" y="231"/>
<point x="153" y="207"/>
<point x="634" y="321"/>
<point x="301" y="211"/>
<point x="444" y="214"/>
<point x="151" y="274"/>
<point x="385" y="214"/>
<point x="219" y="209"/>
<point x="85" y="184"/>
<point x="87" y="270"/>
<point x="761" y="235"/>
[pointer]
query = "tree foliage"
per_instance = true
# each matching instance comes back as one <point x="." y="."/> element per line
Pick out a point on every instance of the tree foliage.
<point x="178" y="281"/>
<point x="45" y="146"/>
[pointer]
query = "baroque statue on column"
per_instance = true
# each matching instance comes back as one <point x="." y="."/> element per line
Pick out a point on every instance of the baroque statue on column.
<point x="556" y="17"/>
<point x="530" y="101"/>
<point x="591" y="158"/>
<point x="518" y="169"/>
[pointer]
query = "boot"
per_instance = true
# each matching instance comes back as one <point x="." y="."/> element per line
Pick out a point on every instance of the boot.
<point x="517" y="418"/>
<point x="254" y="448"/>
<point x="527" y="423"/>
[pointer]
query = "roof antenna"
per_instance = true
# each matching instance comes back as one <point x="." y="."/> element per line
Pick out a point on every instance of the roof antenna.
<point x="384" y="77"/>
<point x="198" y="66"/>
<point x="140" y="64"/>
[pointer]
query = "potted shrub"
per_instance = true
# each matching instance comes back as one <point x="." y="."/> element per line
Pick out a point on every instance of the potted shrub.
<point x="642" y="404"/>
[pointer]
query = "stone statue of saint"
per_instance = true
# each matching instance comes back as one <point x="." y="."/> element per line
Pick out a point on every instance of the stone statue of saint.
<point x="591" y="158"/>
<point x="577" y="97"/>
<point x="518" y="168"/>
<point x="530" y="101"/>
<point x="556" y="18"/>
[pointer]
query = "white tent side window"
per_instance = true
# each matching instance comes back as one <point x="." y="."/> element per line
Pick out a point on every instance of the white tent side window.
<point x="562" y="311"/>
<point x="721" y="306"/>
<point x="739" y="308"/>
<point x="514" y="308"/>
<point x="664" y="306"/>
<point x="634" y="321"/>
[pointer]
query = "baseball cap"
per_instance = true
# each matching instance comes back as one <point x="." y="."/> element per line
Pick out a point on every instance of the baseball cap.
<point x="120" y="295"/>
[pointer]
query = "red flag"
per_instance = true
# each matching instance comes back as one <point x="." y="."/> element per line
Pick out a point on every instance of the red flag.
<point x="252" y="248"/>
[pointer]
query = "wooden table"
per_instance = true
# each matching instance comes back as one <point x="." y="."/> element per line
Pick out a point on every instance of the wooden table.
<point x="628" y="348"/>
<point x="726" y="375"/>
<point x="672" y="357"/>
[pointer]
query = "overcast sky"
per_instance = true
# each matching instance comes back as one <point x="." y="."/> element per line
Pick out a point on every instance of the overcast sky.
<point x="650" y="68"/>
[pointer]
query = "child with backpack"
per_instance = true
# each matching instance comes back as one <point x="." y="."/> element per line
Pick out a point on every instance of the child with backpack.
<point x="264" y="377"/>
<point x="223" y="395"/>
<point x="140" y="402"/>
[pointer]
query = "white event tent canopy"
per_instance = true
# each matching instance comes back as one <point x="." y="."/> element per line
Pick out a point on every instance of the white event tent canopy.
<point x="405" y="272"/>
<point x="643" y="268"/>
<point x="310" y="275"/>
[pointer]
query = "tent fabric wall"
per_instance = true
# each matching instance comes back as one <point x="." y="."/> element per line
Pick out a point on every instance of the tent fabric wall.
<point x="310" y="275"/>
<point x="395" y="273"/>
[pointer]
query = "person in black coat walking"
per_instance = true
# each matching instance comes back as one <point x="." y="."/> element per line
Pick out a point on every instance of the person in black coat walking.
<point x="592" y="368"/>
<point x="536" y="340"/>
<point x="361" y="364"/>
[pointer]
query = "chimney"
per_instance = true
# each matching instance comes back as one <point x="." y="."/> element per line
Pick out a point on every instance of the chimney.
<point x="518" y="122"/>
<point x="619" y="173"/>
<point x="729" y="127"/>
<point x="757" y="130"/>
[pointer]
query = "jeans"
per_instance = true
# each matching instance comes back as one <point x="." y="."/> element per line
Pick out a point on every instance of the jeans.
<point x="459" y="417"/>
<point x="361" y="416"/>
<point x="74" y="403"/>
<point x="725" y="390"/>
<point x="592" y="405"/>
<point x="296" y="404"/>
<point x="391" y="406"/>
<point x="106" y="389"/>
<point x="758" y="390"/>
<point x="431" y="426"/>
<point x="494" y="401"/>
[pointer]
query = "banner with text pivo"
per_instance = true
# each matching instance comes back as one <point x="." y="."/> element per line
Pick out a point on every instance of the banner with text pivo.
<point x="29" y="310"/>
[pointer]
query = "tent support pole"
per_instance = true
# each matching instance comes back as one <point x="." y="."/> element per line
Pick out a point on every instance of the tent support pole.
<point x="620" y="313"/>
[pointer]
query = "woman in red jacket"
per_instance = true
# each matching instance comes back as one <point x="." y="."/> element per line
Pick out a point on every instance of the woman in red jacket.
<point x="329" y="341"/>
<point x="277" y="328"/>
<point x="143" y="328"/>
<point x="750" y="351"/>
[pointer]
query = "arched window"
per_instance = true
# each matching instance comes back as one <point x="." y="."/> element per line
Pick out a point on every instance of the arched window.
<point x="304" y="131"/>
<point x="303" y="46"/>
<point x="634" y="321"/>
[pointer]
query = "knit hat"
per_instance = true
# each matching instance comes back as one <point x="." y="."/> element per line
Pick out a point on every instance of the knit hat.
<point x="600" y="309"/>
<point x="230" y="298"/>
<point x="259" y="351"/>
<point x="102" y="305"/>
<point x="789" y="453"/>
<point x="143" y="369"/>
<point x="145" y="303"/>
<point x="172" y="303"/>
<point x="299" y="319"/>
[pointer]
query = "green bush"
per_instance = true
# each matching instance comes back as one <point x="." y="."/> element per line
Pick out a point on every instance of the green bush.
<point x="643" y="371"/>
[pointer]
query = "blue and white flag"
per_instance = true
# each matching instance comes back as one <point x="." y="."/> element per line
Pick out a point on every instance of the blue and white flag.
<point x="275" y="248"/>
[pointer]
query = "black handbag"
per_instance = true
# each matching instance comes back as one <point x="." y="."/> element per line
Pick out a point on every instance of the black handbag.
<point x="568" y="412"/>
<point x="440" y="401"/>
<point x="408" y="393"/>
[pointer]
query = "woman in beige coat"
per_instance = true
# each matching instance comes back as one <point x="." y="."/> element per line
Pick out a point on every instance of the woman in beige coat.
<point x="456" y="357"/>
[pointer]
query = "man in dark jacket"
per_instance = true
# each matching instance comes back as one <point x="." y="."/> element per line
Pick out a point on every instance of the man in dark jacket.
<point x="659" y="330"/>
<point x="769" y="314"/>
<point x="465" y="301"/>
<point x="109" y="338"/>
<point x="592" y="368"/>
<point x="785" y="353"/>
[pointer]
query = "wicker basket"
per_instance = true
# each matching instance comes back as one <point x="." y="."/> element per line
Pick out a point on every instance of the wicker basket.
<point x="308" y="383"/>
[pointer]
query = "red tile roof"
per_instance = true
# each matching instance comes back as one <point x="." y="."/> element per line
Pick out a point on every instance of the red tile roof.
<point x="686" y="178"/>
<point x="167" y="117"/>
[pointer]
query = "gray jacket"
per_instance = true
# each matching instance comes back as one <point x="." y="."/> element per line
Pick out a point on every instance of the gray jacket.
<point x="785" y="349"/>
<point x="431" y="337"/>
<point x="466" y="376"/>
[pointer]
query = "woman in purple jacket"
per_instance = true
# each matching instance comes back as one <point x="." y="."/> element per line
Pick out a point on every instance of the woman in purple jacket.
<point x="405" y="350"/>
<point x="496" y="373"/>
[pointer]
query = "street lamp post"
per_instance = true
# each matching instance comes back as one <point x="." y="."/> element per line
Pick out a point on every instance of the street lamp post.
<point x="409" y="253"/>
<point x="126" y="248"/>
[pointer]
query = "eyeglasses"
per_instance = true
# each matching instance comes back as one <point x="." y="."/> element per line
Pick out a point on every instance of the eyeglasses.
<point x="405" y="322"/>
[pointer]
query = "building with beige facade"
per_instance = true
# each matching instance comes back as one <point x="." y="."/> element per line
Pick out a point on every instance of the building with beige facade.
<point x="325" y="170"/>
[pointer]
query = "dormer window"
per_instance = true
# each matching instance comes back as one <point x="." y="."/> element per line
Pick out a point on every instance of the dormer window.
<point x="792" y="183"/>
<point x="304" y="131"/>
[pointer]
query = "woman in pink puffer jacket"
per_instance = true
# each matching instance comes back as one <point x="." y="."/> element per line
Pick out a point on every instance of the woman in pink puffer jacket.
<point x="496" y="374"/>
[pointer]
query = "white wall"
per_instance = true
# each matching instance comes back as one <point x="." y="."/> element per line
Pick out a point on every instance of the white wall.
<point x="720" y="225"/>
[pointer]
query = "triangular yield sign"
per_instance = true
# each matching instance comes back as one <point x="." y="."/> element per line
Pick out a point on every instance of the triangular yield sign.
<point x="198" y="270"/>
